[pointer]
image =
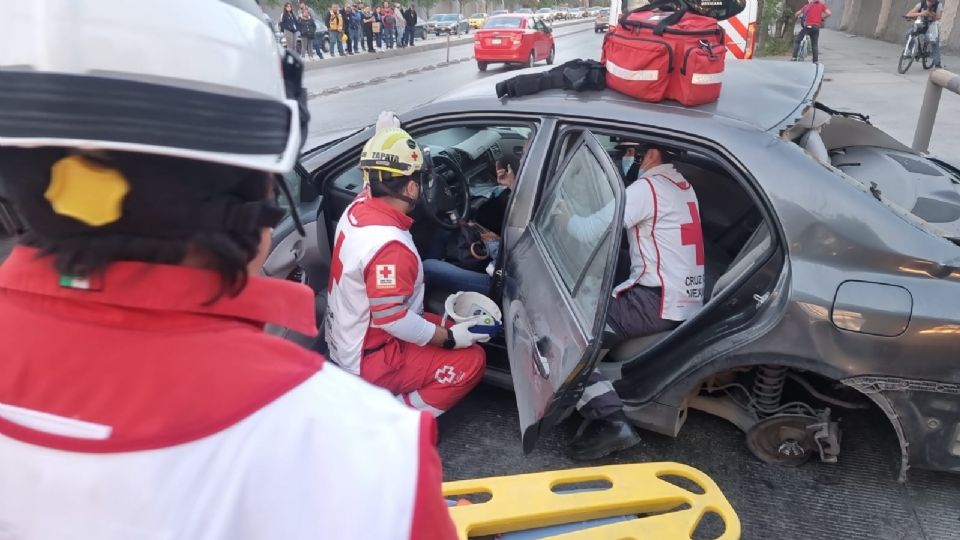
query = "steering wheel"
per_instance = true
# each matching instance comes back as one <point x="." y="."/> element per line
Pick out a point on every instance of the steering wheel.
<point x="437" y="194"/>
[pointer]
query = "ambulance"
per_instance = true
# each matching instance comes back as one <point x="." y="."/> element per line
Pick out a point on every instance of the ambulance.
<point x="741" y="30"/>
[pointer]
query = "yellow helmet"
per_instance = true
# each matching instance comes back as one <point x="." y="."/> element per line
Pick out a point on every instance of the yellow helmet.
<point x="393" y="151"/>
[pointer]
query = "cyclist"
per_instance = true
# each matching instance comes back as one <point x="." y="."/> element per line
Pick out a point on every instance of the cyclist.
<point x="931" y="11"/>
<point x="812" y="16"/>
<point x="139" y="394"/>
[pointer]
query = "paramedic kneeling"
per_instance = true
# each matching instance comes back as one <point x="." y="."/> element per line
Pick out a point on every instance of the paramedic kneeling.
<point x="375" y="325"/>
<point x="662" y="221"/>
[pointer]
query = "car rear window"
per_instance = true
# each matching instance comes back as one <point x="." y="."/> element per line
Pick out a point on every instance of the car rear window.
<point x="504" y="22"/>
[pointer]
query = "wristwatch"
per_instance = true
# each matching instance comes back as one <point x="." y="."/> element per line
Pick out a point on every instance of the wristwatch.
<point x="450" y="342"/>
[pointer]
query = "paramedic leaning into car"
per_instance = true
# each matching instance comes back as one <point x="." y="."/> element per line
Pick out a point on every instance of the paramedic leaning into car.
<point x="375" y="327"/>
<point x="665" y="287"/>
<point x="139" y="394"/>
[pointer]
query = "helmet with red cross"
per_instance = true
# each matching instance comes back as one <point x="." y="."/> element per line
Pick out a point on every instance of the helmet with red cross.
<point x="392" y="151"/>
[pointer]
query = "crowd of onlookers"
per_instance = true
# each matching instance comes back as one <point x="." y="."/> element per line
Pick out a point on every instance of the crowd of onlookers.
<point x="351" y="29"/>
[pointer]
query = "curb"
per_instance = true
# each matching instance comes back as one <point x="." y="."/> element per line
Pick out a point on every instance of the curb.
<point x="383" y="78"/>
<point x="433" y="45"/>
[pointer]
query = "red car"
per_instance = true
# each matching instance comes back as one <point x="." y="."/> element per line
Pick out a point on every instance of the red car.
<point x="513" y="38"/>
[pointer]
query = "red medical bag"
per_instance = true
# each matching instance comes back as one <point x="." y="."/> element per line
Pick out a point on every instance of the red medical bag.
<point x="654" y="55"/>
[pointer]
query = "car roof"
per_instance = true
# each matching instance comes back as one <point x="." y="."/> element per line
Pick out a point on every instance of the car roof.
<point x="768" y="95"/>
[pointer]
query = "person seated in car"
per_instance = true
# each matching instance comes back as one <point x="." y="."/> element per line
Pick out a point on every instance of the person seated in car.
<point x="489" y="216"/>
<point x="665" y="287"/>
<point x="629" y="164"/>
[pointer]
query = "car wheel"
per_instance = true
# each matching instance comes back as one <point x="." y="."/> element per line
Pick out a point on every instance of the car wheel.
<point x="553" y="52"/>
<point x="482" y="66"/>
<point x="438" y="34"/>
<point x="532" y="60"/>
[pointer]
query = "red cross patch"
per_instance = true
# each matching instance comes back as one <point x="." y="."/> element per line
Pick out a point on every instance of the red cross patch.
<point x="386" y="276"/>
<point x="413" y="155"/>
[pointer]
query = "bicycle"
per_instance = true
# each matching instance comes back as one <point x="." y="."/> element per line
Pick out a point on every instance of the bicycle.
<point x="804" y="49"/>
<point x="917" y="47"/>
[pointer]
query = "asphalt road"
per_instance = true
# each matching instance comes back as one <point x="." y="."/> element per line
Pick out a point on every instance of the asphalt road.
<point x="352" y="95"/>
<point x="857" y="498"/>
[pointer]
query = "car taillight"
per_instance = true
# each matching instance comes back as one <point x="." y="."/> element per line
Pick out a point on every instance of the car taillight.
<point x="517" y="38"/>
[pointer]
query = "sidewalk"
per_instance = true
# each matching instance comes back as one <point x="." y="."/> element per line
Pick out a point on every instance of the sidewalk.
<point x="861" y="75"/>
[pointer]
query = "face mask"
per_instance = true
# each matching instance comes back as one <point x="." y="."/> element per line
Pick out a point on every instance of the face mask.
<point x="626" y="163"/>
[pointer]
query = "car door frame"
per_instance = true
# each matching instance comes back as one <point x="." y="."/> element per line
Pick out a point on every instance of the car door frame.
<point x="638" y="383"/>
<point x="545" y="389"/>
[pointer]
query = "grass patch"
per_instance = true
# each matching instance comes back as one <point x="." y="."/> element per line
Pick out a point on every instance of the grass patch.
<point x="776" y="47"/>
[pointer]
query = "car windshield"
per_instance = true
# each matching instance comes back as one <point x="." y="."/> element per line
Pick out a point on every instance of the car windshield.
<point x="543" y="10"/>
<point x="504" y="22"/>
<point x="477" y="16"/>
<point x="525" y="10"/>
<point x="448" y="17"/>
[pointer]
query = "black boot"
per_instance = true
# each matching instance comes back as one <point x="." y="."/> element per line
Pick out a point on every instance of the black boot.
<point x="599" y="438"/>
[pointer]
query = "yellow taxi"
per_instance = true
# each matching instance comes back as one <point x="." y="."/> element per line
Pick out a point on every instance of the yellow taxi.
<point x="476" y="20"/>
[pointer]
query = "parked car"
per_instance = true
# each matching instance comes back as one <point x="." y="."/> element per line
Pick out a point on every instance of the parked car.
<point x="277" y="34"/>
<point x="545" y="14"/>
<point x="831" y="255"/>
<point x="561" y="13"/>
<point x="420" y="31"/>
<point x="524" y="11"/>
<point x="601" y="21"/>
<point x="577" y="13"/>
<point x="448" y="23"/>
<point x="513" y="39"/>
<point x="322" y="34"/>
<point x="476" y="20"/>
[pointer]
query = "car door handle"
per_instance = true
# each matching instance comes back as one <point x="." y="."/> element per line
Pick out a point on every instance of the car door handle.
<point x="541" y="349"/>
<point x="537" y="345"/>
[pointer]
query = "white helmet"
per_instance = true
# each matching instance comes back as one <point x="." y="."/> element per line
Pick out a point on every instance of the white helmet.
<point x="468" y="306"/>
<point x="197" y="79"/>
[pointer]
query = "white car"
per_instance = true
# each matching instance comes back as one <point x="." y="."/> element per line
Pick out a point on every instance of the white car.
<point x="545" y="14"/>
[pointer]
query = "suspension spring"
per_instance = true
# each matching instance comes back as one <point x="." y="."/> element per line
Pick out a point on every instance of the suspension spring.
<point x="768" y="388"/>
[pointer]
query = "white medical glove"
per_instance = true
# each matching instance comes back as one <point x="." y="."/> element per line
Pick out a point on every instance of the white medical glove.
<point x="463" y="337"/>
<point x="387" y="119"/>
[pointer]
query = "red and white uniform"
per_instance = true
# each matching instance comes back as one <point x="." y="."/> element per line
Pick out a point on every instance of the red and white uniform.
<point x="662" y="218"/>
<point x="135" y="410"/>
<point x="375" y="325"/>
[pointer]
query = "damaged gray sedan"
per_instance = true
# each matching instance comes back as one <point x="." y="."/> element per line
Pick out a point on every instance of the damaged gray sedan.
<point x="832" y="264"/>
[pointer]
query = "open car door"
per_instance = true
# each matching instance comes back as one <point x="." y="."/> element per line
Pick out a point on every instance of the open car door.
<point x="301" y="258"/>
<point x="559" y="277"/>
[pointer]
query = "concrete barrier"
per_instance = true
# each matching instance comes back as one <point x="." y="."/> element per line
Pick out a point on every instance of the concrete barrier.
<point x="836" y="7"/>
<point x="883" y="19"/>
<point x="867" y="17"/>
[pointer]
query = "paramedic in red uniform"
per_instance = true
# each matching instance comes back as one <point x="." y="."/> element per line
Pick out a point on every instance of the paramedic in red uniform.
<point x="812" y="16"/>
<point x="375" y="326"/>
<point x="662" y="220"/>
<point x="139" y="394"/>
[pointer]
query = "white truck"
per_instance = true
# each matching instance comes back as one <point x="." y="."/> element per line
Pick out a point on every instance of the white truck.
<point x="741" y="29"/>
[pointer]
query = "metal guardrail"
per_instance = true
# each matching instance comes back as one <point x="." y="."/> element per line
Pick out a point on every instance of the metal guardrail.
<point x="939" y="79"/>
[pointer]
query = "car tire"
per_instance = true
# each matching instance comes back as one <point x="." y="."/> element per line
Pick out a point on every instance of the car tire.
<point x="550" y="57"/>
<point x="482" y="66"/>
<point x="532" y="60"/>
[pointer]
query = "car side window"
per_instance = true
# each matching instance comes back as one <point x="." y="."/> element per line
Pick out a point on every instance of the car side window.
<point x="350" y="180"/>
<point x="574" y="221"/>
<point x="476" y="149"/>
